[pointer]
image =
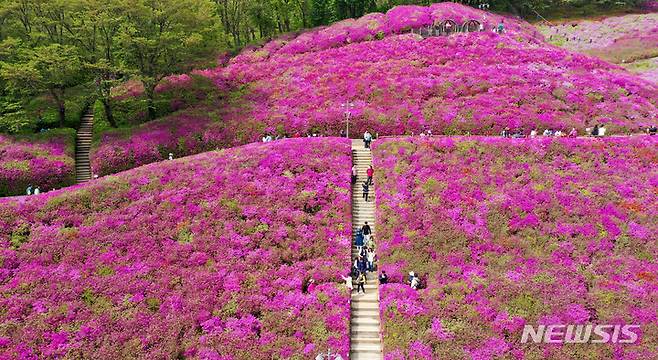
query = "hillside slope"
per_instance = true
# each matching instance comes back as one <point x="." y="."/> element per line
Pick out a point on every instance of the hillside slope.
<point x="629" y="40"/>
<point x="207" y="256"/>
<point x="477" y="83"/>
<point x="514" y="232"/>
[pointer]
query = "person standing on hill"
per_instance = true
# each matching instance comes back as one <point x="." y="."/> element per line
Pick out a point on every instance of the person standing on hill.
<point x="348" y="282"/>
<point x="367" y="139"/>
<point x="602" y="130"/>
<point x="361" y="264"/>
<point x="383" y="278"/>
<point x="366" y="230"/>
<point x="595" y="131"/>
<point x="370" y="255"/>
<point x="370" y="172"/>
<point x="361" y="282"/>
<point x="533" y="133"/>
<point x="415" y="282"/>
<point x="358" y="242"/>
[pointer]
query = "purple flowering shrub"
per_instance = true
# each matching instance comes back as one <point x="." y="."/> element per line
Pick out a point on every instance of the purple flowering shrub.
<point x="205" y="257"/>
<point x="46" y="162"/>
<point x="507" y="232"/>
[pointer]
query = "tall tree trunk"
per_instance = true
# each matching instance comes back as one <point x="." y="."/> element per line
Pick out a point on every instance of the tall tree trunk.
<point x="107" y="107"/>
<point x="61" y="105"/>
<point x="149" y="88"/>
<point x="62" y="114"/>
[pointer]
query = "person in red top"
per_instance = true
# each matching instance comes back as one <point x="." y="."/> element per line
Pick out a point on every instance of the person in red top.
<point x="370" y="172"/>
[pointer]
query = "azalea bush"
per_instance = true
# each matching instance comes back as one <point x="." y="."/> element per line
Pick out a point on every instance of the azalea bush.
<point x="509" y="232"/>
<point x="207" y="257"/>
<point x="44" y="160"/>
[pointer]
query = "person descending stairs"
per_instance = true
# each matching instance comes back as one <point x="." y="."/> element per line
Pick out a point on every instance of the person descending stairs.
<point x="83" y="147"/>
<point x="365" y="336"/>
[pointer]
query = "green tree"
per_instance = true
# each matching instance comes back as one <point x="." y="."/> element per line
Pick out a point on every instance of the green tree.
<point x="53" y="69"/>
<point x="164" y="37"/>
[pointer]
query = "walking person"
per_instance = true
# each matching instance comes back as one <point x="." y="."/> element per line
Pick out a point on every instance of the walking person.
<point x="366" y="190"/>
<point x="361" y="282"/>
<point x="366" y="230"/>
<point x="362" y="264"/>
<point x="29" y="190"/>
<point x="370" y="255"/>
<point x="370" y="172"/>
<point x="37" y="191"/>
<point x="354" y="174"/>
<point x="359" y="241"/>
<point x="367" y="139"/>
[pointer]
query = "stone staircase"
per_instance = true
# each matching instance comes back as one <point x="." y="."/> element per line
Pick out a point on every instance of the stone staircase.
<point x="365" y="336"/>
<point x="82" y="148"/>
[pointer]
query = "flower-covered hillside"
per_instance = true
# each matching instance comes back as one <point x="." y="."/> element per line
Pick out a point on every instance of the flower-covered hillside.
<point x="208" y="257"/>
<point x="507" y="232"/>
<point x="478" y="83"/>
<point x="47" y="163"/>
<point x="374" y="26"/>
<point x="630" y="40"/>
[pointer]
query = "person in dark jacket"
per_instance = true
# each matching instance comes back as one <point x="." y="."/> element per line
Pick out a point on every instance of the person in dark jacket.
<point x="383" y="278"/>
<point x="365" y="229"/>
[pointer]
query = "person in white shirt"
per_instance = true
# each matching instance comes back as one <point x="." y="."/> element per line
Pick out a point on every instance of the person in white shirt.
<point x="415" y="282"/>
<point x="348" y="282"/>
<point x="37" y="191"/>
<point x="367" y="139"/>
<point x="371" y="259"/>
<point x="533" y="133"/>
<point x="602" y="131"/>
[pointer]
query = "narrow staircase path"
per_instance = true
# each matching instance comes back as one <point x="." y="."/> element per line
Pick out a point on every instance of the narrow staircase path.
<point x="83" y="147"/>
<point x="365" y="336"/>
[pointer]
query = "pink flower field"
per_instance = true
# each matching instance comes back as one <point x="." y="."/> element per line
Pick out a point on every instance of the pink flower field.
<point x="477" y="83"/>
<point x="47" y="164"/>
<point x="507" y="232"/>
<point x="629" y="40"/>
<point x="207" y="257"/>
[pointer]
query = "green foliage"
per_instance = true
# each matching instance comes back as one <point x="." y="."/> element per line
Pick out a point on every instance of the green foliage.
<point x="19" y="236"/>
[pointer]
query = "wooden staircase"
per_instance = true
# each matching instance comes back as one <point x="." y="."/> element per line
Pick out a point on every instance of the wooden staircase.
<point x="365" y="336"/>
<point x="83" y="147"/>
